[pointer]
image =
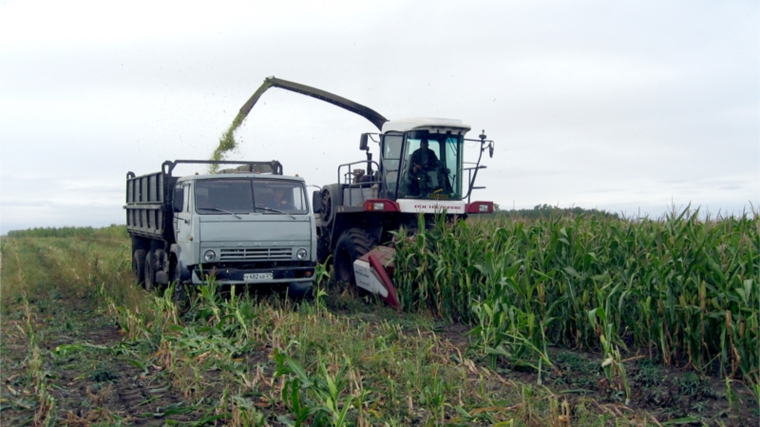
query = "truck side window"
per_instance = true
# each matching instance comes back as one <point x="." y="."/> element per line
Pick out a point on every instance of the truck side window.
<point x="186" y="202"/>
<point x="178" y="202"/>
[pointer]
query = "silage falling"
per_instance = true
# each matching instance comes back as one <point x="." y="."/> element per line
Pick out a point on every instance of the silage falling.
<point x="226" y="142"/>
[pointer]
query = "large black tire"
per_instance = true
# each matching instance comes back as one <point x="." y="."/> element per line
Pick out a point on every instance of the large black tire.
<point x="352" y="244"/>
<point x="150" y="272"/>
<point x="300" y="290"/>
<point x="328" y="210"/>
<point x="179" y="296"/>
<point x="323" y="248"/>
<point x="138" y="266"/>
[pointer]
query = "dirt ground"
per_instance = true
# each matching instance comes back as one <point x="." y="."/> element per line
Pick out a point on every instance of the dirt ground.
<point x="96" y="380"/>
<point x="679" y="396"/>
<point x="91" y="376"/>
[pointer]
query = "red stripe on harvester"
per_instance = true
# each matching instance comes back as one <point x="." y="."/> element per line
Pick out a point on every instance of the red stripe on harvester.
<point x="392" y="298"/>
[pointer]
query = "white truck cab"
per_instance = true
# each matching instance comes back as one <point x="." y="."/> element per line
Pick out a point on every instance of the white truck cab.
<point x="241" y="228"/>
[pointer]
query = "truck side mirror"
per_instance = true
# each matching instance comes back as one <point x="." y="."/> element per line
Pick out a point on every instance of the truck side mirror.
<point x="316" y="201"/>
<point x="364" y="142"/>
<point x="178" y="201"/>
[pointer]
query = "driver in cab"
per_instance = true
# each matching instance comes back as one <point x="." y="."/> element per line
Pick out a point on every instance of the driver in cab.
<point x="424" y="159"/>
<point x="279" y="201"/>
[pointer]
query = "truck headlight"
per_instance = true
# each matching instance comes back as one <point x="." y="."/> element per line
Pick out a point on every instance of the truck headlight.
<point x="302" y="254"/>
<point x="209" y="255"/>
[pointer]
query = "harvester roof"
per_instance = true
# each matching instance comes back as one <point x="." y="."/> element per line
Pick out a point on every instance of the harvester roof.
<point x="433" y="123"/>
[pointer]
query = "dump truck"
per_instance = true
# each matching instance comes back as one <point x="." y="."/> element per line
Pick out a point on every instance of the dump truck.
<point x="248" y="225"/>
<point x="420" y="171"/>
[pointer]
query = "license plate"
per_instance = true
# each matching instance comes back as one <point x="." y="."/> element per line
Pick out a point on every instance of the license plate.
<point x="258" y="276"/>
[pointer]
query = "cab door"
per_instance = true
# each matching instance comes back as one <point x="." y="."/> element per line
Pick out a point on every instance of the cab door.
<point x="390" y="163"/>
<point x="183" y="218"/>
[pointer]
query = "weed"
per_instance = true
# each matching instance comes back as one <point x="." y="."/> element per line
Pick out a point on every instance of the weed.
<point x="649" y="374"/>
<point x="689" y="384"/>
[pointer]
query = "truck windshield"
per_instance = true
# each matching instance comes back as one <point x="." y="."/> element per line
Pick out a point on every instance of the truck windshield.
<point x="431" y="167"/>
<point x="245" y="196"/>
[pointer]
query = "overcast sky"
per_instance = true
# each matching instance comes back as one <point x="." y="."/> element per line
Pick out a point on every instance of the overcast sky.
<point x="625" y="106"/>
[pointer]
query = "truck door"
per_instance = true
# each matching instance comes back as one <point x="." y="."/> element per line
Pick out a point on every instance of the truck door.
<point x="183" y="224"/>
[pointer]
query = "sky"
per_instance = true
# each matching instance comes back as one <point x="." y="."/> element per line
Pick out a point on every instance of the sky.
<point x="630" y="107"/>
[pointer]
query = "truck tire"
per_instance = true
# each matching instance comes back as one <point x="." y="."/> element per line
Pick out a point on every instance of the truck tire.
<point x="138" y="266"/>
<point x="179" y="295"/>
<point x="150" y="272"/>
<point x="300" y="290"/>
<point x="352" y="244"/>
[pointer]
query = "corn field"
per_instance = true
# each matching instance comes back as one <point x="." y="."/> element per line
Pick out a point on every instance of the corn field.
<point x="680" y="289"/>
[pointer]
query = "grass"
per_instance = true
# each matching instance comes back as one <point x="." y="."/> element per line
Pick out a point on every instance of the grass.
<point x="108" y="353"/>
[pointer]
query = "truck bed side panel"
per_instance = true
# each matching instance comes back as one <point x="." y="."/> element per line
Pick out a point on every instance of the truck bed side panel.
<point x="148" y="206"/>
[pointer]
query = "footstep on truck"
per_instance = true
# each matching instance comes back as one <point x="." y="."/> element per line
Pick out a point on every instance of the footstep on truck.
<point x="248" y="225"/>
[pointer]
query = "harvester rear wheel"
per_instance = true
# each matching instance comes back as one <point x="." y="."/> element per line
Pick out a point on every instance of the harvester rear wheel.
<point x="352" y="244"/>
<point x="328" y="210"/>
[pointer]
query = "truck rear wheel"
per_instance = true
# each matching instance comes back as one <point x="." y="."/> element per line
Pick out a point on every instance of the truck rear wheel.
<point x="138" y="266"/>
<point x="352" y="244"/>
<point x="150" y="272"/>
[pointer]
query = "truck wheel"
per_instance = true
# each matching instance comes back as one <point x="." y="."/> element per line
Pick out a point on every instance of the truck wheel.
<point x="353" y="243"/>
<point x="300" y="290"/>
<point x="138" y="266"/>
<point x="150" y="273"/>
<point x="179" y="296"/>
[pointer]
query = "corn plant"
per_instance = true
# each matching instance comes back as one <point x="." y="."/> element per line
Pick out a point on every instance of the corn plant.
<point x="683" y="289"/>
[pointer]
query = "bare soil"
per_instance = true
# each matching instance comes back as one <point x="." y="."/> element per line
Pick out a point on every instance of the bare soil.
<point x="99" y="382"/>
<point x="92" y="384"/>
<point x="667" y="393"/>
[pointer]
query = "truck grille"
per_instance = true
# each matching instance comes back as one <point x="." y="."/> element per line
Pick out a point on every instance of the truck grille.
<point x="257" y="254"/>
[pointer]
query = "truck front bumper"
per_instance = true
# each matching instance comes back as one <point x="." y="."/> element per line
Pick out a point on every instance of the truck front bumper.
<point x="236" y="276"/>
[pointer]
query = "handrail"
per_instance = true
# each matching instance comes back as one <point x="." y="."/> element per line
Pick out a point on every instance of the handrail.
<point x="359" y="185"/>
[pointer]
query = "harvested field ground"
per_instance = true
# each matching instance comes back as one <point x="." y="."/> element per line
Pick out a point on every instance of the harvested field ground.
<point x="89" y="381"/>
<point x="82" y="347"/>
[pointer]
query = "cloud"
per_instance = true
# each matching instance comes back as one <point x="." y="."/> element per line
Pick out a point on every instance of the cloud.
<point x="47" y="200"/>
<point x="590" y="104"/>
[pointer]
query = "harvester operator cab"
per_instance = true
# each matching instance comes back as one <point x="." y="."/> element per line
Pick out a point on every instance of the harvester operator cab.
<point x="423" y="164"/>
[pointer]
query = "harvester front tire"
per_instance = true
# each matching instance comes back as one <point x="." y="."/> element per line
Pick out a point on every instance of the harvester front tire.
<point x="323" y="248"/>
<point x="352" y="244"/>
<point x="138" y="266"/>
